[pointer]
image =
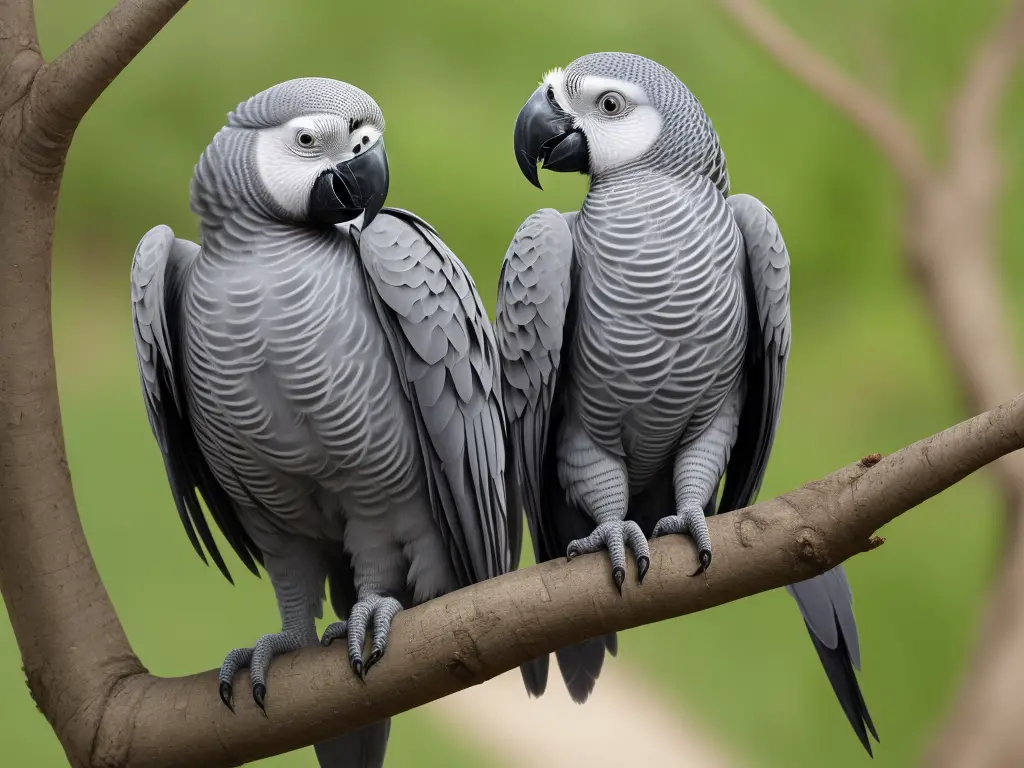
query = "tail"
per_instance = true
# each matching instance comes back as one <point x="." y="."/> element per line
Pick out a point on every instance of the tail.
<point x="364" y="748"/>
<point x="535" y="675"/>
<point x="826" y="603"/>
<point x="579" y="664"/>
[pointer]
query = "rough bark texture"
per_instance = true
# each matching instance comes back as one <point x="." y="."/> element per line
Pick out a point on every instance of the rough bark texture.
<point x="103" y="705"/>
<point x="950" y="238"/>
<point x="73" y="647"/>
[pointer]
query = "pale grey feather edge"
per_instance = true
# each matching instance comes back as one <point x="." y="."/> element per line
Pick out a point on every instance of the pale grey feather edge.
<point x="446" y="355"/>
<point x="159" y="268"/>
<point x="534" y="289"/>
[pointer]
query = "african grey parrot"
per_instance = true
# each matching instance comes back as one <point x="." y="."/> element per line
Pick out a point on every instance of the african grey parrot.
<point x="644" y="342"/>
<point x="332" y="392"/>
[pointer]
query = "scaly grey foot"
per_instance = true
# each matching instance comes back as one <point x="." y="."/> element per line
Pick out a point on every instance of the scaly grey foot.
<point x="258" y="659"/>
<point x="614" y="536"/>
<point x="692" y="522"/>
<point x="381" y="611"/>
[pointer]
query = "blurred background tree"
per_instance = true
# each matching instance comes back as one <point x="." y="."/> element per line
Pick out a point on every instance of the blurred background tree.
<point x="868" y="372"/>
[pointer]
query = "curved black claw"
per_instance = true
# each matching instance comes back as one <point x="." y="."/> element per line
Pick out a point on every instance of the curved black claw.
<point x="689" y="521"/>
<point x="225" y="695"/>
<point x="614" y="536"/>
<point x="643" y="564"/>
<point x="618" y="576"/>
<point x="372" y="609"/>
<point x="705" y="562"/>
<point x="259" y="695"/>
<point x="258" y="659"/>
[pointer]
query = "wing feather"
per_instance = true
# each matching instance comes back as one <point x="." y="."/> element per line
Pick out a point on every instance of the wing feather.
<point x="534" y="293"/>
<point x="441" y="340"/>
<point x="767" y="350"/>
<point x="159" y="268"/>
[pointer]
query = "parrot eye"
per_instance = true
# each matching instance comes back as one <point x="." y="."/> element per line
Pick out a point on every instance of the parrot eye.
<point x="305" y="139"/>
<point x="611" y="103"/>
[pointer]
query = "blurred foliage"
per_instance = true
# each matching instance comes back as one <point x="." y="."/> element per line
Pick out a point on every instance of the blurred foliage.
<point x="866" y="375"/>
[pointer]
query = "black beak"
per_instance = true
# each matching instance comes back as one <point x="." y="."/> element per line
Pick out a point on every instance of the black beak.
<point x="359" y="185"/>
<point x="545" y="134"/>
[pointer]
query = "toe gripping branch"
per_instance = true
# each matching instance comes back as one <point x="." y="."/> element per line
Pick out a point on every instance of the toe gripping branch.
<point x="374" y="610"/>
<point x="614" y="536"/>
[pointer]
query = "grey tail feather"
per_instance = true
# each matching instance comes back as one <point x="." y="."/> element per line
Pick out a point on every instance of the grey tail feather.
<point x="363" y="748"/>
<point x="839" y="668"/>
<point x="581" y="664"/>
<point x="535" y="675"/>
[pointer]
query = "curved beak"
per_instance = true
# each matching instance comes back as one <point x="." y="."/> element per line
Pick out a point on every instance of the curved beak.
<point x="545" y="134"/>
<point x="359" y="185"/>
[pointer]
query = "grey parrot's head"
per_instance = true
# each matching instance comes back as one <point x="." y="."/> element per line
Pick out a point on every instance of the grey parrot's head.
<point x="309" y="150"/>
<point x="607" y="112"/>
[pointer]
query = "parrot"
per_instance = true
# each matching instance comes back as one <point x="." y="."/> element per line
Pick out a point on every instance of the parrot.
<point x="321" y="371"/>
<point x="644" y="341"/>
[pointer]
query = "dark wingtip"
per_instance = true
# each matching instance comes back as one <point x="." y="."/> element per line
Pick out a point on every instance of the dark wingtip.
<point x="250" y="564"/>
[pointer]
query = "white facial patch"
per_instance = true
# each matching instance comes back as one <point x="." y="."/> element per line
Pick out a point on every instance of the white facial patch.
<point x="362" y="139"/>
<point x="288" y="169"/>
<point x="615" y="140"/>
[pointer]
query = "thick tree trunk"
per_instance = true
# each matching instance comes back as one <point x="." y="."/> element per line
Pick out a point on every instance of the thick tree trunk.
<point x="73" y="646"/>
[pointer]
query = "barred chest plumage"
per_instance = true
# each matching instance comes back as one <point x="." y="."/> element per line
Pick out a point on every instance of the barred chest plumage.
<point x="662" y="315"/>
<point x="286" y="365"/>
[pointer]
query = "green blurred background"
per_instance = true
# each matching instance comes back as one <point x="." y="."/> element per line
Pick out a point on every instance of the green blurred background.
<point x="866" y="374"/>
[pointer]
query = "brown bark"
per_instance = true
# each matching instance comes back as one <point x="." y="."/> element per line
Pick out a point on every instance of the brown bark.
<point x="950" y="242"/>
<point x="73" y="647"/>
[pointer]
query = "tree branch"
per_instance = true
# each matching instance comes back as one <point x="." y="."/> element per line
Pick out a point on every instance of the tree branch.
<point x="73" y="647"/>
<point x="469" y="636"/>
<point x="69" y="85"/>
<point x="871" y="113"/>
<point x="19" y="50"/>
<point x="975" y="107"/>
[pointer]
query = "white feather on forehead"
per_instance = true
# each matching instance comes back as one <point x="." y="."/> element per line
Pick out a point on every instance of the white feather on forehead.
<point x="555" y="79"/>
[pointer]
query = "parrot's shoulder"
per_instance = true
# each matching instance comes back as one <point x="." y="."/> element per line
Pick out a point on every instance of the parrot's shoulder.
<point x="408" y="217"/>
